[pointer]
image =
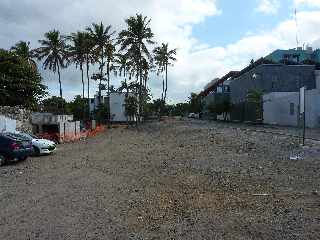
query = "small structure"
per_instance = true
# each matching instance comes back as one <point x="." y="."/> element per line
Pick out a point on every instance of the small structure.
<point x="282" y="108"/>
<point x="60" y="127"/>
<point x="117" y="105"/>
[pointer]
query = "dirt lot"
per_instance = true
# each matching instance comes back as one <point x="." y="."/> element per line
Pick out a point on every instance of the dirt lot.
<point x="174" y="180"/>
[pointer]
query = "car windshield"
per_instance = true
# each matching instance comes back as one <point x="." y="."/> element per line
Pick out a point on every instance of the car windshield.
<point x="19" y="136"/>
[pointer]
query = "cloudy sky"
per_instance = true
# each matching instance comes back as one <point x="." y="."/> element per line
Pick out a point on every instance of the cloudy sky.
<point x="212" y="36"/>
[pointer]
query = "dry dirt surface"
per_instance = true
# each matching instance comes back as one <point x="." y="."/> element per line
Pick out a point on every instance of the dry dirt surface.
<point x="168" y="180"/>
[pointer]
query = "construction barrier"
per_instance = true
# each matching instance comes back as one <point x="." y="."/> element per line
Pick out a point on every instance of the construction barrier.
<point x="62" y="138"/>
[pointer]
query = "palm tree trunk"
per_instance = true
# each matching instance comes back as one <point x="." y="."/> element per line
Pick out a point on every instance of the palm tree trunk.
<point x="140" y="91"/>
<point x="162" y="94"/>
<point x="81" y="68"/>
<point x="101" y="73"/>
<point x="62" y="107"/>
<point x="108" y="83"/>
<point x="59" y="81"/>
<point x="166" y="89"/>
<point x="88" y="90"/>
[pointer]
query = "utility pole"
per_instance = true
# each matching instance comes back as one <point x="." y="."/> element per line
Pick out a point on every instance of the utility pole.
<point x="303" y="112"/>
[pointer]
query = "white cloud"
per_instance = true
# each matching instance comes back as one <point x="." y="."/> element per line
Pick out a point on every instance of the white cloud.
<point x="269" y="7"/>
<point x="172" y="21"/>
<point x="215" y="62"/>
<point x="311" y="3"/>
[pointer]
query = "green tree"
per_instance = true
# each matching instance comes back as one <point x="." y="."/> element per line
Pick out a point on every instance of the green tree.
<point x="255" y="96"/>
<point x="135" y="40"/>
<point x="164" y="58"/>
<point x="102" y="113"/>
<point x="90" y="58"/>
<point x="101" y="38"/>
<point x="123" y="68"/>
<point x="195" y="103"/>
<point x="20" y="82"/>
<point x="76" y="53"/>
<point x="54" y="52"/>
<point x="220" y="107"/>
<point x="180" y="109"/>
<point x="131" y="108"/>
<point x="22" y="49"/>
<point x="78" y="108"/>
<point x="53" y="105"/>
<point x="110" y="51"/>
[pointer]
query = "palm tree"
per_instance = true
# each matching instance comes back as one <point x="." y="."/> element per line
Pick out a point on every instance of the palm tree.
<point x="101" y="38"/>
<point x="146" y="67"/>
<point x="90" y="58"/>
<point x="135" y="40"/>
<point x="54" y="50"/>
<point x="22" y="49"/>
<point x="77" y="52"/>
<point x="123" y="66"/>
<point x="164" y="58"/>
<point x="110" y="49"/>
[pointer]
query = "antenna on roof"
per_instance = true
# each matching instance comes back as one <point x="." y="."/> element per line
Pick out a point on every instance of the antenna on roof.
<point x="297" y="26"/>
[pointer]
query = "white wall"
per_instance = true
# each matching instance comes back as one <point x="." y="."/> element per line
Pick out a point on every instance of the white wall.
<point x="313" y="108"/>
<point x="117" y="108"/>
<point x="276" y="108"/>
<point x="317" y="77"/>
<point x="7" y="124"/>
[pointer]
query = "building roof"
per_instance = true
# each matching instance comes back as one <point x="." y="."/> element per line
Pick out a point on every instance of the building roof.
<point x="217" y="82"/>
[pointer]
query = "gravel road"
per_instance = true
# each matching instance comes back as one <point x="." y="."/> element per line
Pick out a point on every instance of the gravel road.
<point x="168" y="180"/>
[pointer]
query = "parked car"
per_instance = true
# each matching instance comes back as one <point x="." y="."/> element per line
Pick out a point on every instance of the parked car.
<point x="40" y="145"/>
<point x="14" y="148"/>
<point x="193" y="115"/>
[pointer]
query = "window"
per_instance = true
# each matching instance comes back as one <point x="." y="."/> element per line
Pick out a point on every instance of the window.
<point x="291" y="109"/>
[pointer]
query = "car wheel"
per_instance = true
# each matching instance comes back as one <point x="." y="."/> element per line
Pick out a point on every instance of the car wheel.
<point x="36" y="151"/>
<point x="2" y="160"/>
<point x="23" y="158"/>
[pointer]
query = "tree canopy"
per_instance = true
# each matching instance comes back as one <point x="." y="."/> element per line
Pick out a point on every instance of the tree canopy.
<point x="20" y="82"/>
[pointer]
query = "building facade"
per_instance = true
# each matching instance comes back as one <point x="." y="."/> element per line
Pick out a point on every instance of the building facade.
<point x="297" y="55"/>
<point x="283" y="108"/>
<point x="272" y="78"/>
<point x="117" y="105"/>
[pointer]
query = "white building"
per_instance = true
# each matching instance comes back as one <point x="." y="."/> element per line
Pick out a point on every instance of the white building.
<point x="282" y="108"/>
<point x="117" y="105"/>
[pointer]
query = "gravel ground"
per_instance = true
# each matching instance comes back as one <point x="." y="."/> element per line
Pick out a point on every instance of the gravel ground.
<point x="172" y="180"/>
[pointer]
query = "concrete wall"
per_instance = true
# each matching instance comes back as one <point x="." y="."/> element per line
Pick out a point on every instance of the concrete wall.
<point x="7" y="124"/>
<point x="273" y="78"/>
<point x="277" y="108"/>
<point x="20" y="115"/>
<point x="49" y="118"/>
<point x="317" y="77"/>
<point x="117" y="107"/>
